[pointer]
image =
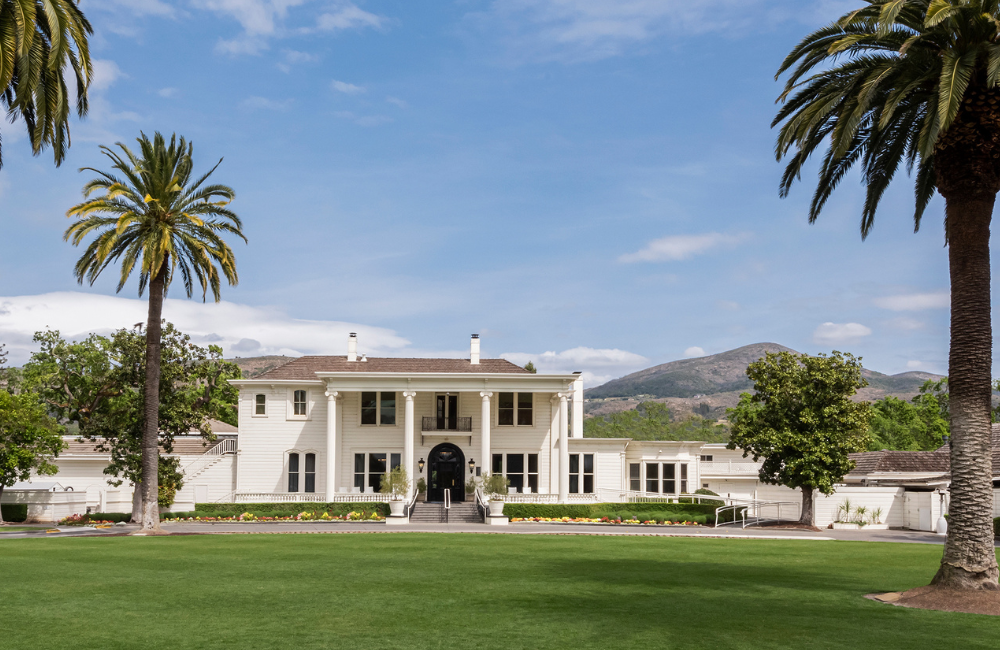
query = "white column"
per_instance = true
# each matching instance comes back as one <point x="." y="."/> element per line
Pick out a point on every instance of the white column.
<point x="563" y="448"/>
<point x="578" y="408"/>
<point x="554" y="446"/>
<point x="485" y="459"/>
<point x="408" y="441"/>
<point x="331" y="444"/>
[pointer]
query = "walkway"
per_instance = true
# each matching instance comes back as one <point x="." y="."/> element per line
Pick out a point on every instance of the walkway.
<point x="904" y="536"/>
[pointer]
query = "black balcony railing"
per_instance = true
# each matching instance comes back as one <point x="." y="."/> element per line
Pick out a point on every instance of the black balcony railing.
<point x="446" y="424"/>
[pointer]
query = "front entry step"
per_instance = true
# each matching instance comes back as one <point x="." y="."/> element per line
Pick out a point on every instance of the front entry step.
<point x="434" y="513"/>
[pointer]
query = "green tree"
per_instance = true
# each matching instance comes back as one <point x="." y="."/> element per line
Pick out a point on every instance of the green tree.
<point x="40" y="40"/>
<point x="530" y="367"/>
<point x="98" y="384"/>
<point x="653" y="421"/>
<point x="801" y="421"/>
<point x="915" y="82"/>
<point x="29" y="439"/>
<point x="154" y="215"/>
<point x="897" y="424"/>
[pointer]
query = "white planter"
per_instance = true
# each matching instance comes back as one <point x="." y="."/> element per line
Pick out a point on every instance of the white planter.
<point x="396" y="508"/>
<point x="496" y="508"/>
<point x="842" y="526"/>
<point x="876" y="527"/>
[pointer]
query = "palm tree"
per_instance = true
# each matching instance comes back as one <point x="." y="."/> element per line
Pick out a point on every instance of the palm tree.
<point x="39" y="40"/>
<point x="915" y="81"/>
<point x="154" y="216"/>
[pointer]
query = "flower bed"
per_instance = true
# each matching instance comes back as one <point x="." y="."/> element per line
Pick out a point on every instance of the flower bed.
<point x="83" y="520"/>
<point x="605" y="520"/>
<point x="249" y="517"/>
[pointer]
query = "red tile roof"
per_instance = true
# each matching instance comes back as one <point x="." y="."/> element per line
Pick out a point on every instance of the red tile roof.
<point x="305" y="368"/>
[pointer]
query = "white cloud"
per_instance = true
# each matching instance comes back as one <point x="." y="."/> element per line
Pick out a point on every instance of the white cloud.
<point x="837" y="333"/>
<point x="682" y="247"/>
<point x="239" y="329"/>
<point x="106" y="73"/>
<point x="396" y="101"/>
<point x="346" y="88"/>
<point x="347" y="16"/>
<point x="694" y="351"/>
<point x="363" y="120"/>
<point x="266" y="104"/>
<point x="597" y="365"/>
<point x="915" y="365"/>
<point x="166" y="92"/>
<point x="915" y="301"/>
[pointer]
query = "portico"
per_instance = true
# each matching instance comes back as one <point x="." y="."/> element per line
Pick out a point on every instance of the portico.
<point x="358" y="417"/>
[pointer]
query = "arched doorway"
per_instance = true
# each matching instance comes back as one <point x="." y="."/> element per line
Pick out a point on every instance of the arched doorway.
<point x="446" y="471"/>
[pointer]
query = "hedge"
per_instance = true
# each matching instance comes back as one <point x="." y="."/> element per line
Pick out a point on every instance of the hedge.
<point x="527" y="510"/>
<point x="287" y="509"/>
<point x="111" y="516"/>
<point x="14" y="512"/>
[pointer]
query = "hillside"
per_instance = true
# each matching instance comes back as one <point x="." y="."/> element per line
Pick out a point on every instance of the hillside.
<point x="256" y="366"/>
<point x="709" y="385"/>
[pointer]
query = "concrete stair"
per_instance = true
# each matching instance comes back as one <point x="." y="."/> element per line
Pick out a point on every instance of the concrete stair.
<point x="433" y="513"/>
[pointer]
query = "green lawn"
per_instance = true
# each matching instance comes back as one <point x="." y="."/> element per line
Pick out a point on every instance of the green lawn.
<point x="468" y="591"/>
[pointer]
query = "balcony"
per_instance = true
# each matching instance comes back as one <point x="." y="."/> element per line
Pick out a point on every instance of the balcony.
<point x="729" y="468"/>
<point x="437" y="425"/>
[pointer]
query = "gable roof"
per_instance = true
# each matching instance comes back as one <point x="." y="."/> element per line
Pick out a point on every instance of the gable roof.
<point x="916" y="462"/>
<point x="305" y="368"/>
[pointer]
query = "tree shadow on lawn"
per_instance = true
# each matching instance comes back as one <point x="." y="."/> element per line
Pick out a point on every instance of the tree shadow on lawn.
<point x="725" y="605"/>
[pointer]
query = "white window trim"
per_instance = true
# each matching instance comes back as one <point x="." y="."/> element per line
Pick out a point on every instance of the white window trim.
<point x="302" y="469"/>
<point x="496" y="410"/>
<point x="290" y="405"/>
<point x="388" y="463"/>
<point x="253" y="405"/>
<point x="690" y="480"/>
<point x="525" y="474"/>
<point x="378" y="410"/>
<point x="580" y="474"/>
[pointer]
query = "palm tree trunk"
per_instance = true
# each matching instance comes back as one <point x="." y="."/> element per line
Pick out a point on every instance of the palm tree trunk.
<point x="151" y="405"/>
<point x="969" y="560"/>
<point x="808" y="516"/>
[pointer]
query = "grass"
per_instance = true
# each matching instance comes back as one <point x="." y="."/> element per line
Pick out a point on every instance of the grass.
<point x="465" y="591"/>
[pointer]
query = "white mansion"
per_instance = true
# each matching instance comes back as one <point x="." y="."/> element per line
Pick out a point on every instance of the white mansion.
<point x="327" y="428"/>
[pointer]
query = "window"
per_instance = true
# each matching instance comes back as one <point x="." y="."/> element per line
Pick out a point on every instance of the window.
<point x="524" y="409"/>
<point x="371" y="467"/>
<point x="310" y="473"/>
<point x="299" y="402"/>
<point x="581" y="473"/>
<point x="378" y="408"/>
<point x="652" y="477"/>
<point x="293" y="472"/>
<point x="515" y="471"/>
<point x="635" y="477"/>
<point x="505" y="410"/>
<point x="387" y="409"/>
<point x="515" y="408"/>
<point x="260" y="404"/>
<point x="706" y="458"/>
<point x="684" y="478"/>
<point x="669" y="478"/>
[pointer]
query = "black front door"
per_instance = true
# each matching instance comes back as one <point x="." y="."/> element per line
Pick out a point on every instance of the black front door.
<point x="446" y="471"/>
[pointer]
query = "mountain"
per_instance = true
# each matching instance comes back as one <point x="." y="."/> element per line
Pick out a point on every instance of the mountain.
<point x="709" y="385"/>
<point x="256" y="366"/>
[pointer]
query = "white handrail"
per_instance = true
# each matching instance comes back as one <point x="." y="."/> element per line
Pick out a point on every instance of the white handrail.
<point x="447" y="504"/>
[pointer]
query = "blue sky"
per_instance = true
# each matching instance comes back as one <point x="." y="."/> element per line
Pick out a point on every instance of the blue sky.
<point x="587" y="184"/>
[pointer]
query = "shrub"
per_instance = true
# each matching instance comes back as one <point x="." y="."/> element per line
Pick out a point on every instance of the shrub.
<point x="676" y="511"/>
<point x="111" y="516"/>
<point x="14" y="512"/>
<point x="269" y="509"/>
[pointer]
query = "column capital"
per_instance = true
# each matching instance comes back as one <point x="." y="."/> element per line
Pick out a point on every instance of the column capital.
<point x="332" y="394"/>
<point x="486" y="395"/>
<point x="562" y="396"/>
<point x="409" y="395"/>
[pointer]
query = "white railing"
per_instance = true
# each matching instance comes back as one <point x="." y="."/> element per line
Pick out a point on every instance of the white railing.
<point x="211" y="455"/>
<point x="292" y="497"/>
<point x="447" y="504"/>
<point x="729" y="468"/>
<point x="225" y="446"/>
<point x="748" y="512"/>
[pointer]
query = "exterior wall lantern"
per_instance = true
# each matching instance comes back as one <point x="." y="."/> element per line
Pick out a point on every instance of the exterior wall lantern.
<point x="472" y="465"/>
<point x="420" y="465"/>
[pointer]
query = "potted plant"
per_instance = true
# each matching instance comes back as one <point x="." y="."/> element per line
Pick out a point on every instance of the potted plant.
<point x="396" y="485"/>
<point x="422" y="489"/>
<point x="495" y="488"/>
